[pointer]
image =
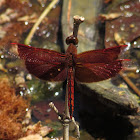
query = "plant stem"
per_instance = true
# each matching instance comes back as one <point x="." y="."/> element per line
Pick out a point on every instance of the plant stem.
<point x="65" y="117"/>
<point x="66" y="125"/>
<point x="77" y="21"/>
<point x="42" y="16"/>
<point x="130" y="83"/>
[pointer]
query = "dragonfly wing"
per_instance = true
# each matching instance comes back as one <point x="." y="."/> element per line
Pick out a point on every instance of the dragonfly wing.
<point x="47" y="71"/>
<point x="43" y="63"/>
<point x="94" y="72"/>
<point x="99" y="56"/>
<point x="98" y="65"/>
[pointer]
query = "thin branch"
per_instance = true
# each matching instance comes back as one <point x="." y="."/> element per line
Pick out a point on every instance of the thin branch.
<point x="65" y="118"/>
<point x="66" y="125"/>
<point x="42" y="16"/>
<point x="51" y="104"/>
<point x="77" y="21"/>
<point x="130" y="83"/>
<point x="66" y="103"/>
<point x="69" y="10"/>
<point x="77" y="127"/>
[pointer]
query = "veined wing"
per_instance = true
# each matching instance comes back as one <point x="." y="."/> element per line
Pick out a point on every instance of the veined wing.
<point x="94" y="72"/>
<point x="99" y="56"/>
<point x="97" y="65"/>
<point x="43" y="63"/>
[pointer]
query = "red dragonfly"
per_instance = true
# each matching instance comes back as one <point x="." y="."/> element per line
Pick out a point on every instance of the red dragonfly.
<point x="89" y="66"/>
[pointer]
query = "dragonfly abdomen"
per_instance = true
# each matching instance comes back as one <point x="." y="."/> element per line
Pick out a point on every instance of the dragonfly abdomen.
<point x="71" y="90"/>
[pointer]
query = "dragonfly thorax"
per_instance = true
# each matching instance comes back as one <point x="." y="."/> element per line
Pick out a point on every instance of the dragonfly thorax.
<point x="70" y="55"/>
<point x="70" y="60"/>
<point x="72" y="49"/>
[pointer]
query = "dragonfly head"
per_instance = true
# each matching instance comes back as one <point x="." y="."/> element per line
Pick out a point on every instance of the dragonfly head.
<point x="71" y="39"/>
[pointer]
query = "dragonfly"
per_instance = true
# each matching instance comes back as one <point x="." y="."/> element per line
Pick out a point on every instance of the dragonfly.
<point x="86" y="67"/>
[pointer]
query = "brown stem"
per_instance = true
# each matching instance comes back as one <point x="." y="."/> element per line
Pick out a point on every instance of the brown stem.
<point x="68" y="13"/>
<point x="65" y="118"/>
<point x="42" y="16"/>
<point x="77" y="21"/>
<point x="130" y="83"/>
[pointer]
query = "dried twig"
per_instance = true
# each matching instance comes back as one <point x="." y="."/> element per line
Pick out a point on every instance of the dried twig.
<point x="77" y="127"/>
<point x="130" y="83"/>
<point x="45" y="12"/>
<point x="110" y="16"/>
<point x="68" y="13"/>
<point x="77" y="21"/>
<point x="51" y="104"/>
<point x="65" y="117"/>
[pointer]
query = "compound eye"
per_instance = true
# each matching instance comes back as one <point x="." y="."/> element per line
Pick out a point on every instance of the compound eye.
<point x="71" y="39"/>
